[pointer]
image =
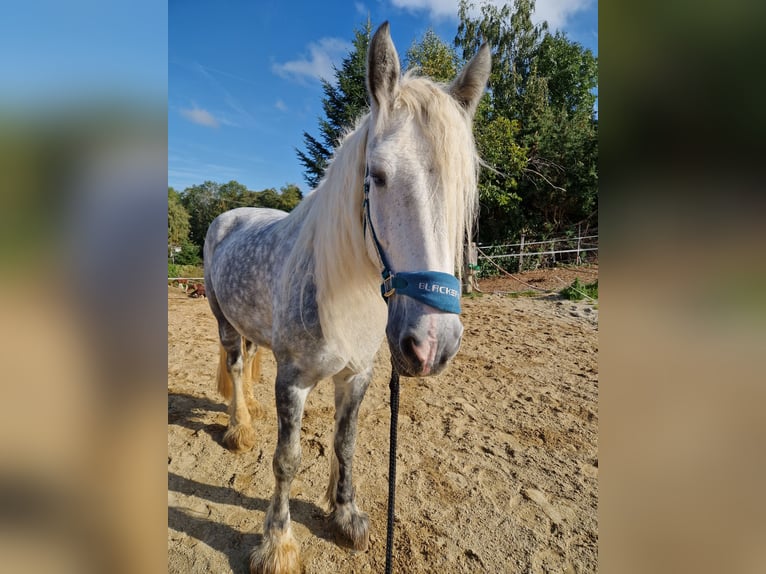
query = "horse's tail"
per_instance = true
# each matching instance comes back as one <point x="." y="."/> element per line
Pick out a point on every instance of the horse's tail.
<point x="255" y="365"/>
<point x="225" y="384"/>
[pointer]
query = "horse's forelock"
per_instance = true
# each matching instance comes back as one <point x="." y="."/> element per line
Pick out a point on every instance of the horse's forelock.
<point x="448" y="128"/>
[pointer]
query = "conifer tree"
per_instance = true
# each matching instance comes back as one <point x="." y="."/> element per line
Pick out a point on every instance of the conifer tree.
<point x="343" y="102"/>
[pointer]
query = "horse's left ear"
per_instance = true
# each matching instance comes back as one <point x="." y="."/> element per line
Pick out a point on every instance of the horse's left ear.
<point x="383" y="69"/>
<point x="469" y="86"/>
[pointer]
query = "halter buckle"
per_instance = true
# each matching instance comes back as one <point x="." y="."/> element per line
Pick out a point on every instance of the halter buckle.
<point x="388" y="288"/>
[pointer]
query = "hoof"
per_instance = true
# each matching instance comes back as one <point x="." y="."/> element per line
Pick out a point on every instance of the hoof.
<point x="239" y="438"/>
<point x="277" y="554"/>
<point x="353" y="525"/>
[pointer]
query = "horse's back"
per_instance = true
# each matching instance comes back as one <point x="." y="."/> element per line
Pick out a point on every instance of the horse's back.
<point x="241" y="254"/>
<point x="239" y="220"/>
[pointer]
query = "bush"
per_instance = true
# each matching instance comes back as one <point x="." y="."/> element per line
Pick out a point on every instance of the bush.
<point x="189" y="254"/>
<point x="577" y="291"/>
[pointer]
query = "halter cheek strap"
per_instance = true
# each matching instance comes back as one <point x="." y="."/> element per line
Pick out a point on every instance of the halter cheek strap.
<point x="434" y="288"/>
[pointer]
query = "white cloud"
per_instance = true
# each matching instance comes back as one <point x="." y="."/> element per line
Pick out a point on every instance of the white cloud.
<point x="200" y="116"/>
<point x="438" y="9"/>
<point x="319" y="63"/>
<point x="555" y="12"/>
<point x="558" y="12"/>
<point x="281" y="106"/>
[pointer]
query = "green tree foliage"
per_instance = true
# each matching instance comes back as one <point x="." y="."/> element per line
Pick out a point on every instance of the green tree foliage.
<point x="190" y="254"/>
<point x="205" y="202"/>
<point x="178" y="219"/>
<point x="538" y="127"/>
<point x="500" y="203"/>
<point x="290" y="196"/>
<point x="568" y="154"/>
<point x="433" y="58"/>
<point x="343" y="103"/>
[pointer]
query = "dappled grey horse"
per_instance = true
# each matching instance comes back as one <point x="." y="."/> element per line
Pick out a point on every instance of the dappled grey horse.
<point x="394" y="208"/>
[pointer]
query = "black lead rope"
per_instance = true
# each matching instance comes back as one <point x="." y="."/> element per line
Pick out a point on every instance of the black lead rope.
<point x="394" y="386"/>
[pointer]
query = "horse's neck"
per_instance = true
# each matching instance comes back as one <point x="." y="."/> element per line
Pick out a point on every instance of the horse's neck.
<point x="330" y="245"/>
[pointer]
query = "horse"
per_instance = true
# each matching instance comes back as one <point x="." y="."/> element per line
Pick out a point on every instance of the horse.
<point x="198" y="290"/>
<point x="181" y="284"/>
<point x="399" y="197"/>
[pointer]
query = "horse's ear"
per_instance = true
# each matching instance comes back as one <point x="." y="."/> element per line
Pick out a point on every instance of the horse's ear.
<point x="383" y="69"/>
<point x="469" y="86"/>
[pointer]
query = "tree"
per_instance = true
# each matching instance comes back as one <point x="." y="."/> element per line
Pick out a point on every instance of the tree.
<point x="513" y="39"/>
<point x="234" y="194"/>
<point x="189" y="254"/>
<point x="343" y="103"/>
<point x="571" y="130"/>
<point x="539" y="127"/>
<point x="178" y="219"/>
<point x="500" y="206"/>
<point x="290" y="196"/>
<point x="433" y="58"/>
<point x="203" y="202"/>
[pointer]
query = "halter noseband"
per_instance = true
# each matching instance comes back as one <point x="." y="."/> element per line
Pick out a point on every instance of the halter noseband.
<point x="434" y="288"/>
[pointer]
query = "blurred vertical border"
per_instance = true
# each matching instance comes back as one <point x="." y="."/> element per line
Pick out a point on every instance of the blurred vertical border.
<point x="83" y="177"/>
<point x="683" y="303"/>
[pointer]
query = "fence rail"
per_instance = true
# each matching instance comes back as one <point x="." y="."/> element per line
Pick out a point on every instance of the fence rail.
<point x="529" y="255"/>
<point x="507" y="255"/>
<point x="544" y="241"/>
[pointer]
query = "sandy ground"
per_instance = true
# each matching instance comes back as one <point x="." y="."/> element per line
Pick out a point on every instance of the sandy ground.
<point x="497" y="459"/>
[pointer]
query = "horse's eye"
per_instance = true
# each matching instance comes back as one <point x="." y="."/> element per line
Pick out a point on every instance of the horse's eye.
<point x="378" y="179"/>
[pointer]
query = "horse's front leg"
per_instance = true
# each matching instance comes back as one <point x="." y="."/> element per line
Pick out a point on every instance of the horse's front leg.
<point x="279" y="552"/>
<point x="349" y="521"/>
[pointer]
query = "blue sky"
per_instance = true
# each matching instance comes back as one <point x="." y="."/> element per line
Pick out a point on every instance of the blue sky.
<point x="243" y="75"/>
<point x="55" y="53"/>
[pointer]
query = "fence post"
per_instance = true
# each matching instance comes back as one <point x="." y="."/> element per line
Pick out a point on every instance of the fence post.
<point x="553" y="252"/>
<point x="579" y="237"/>
<point x="470" y="261"/>
<point x="521" y="254"/>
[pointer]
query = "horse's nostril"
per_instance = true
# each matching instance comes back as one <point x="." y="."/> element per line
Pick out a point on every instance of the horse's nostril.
<point x="420" y="352"/>
<point x="410" y="345"/>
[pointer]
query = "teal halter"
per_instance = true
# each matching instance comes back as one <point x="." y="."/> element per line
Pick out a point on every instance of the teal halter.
<point x="434" y="288"/>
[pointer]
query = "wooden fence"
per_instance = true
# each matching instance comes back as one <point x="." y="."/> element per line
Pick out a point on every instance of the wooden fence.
<point x="528" y="255"/>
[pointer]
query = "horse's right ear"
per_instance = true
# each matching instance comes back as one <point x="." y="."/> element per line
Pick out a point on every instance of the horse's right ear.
<point x="383" y="70"/>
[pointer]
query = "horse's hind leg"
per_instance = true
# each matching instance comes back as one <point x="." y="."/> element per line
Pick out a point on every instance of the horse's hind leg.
<point x="278" y="552"/>
<point x="251" y="373"/>
<point x="351" y="522"/>
<point x="239" y="435"/>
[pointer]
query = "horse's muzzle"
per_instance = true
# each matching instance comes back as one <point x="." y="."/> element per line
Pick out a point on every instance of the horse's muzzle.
<point x="422" y="340"/>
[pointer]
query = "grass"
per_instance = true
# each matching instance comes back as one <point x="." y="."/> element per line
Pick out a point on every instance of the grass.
<point x="578" y="291"/>
<point x="175" y="270"/>
<point x="472" y="295"/>
<point x="517" y="294"/>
